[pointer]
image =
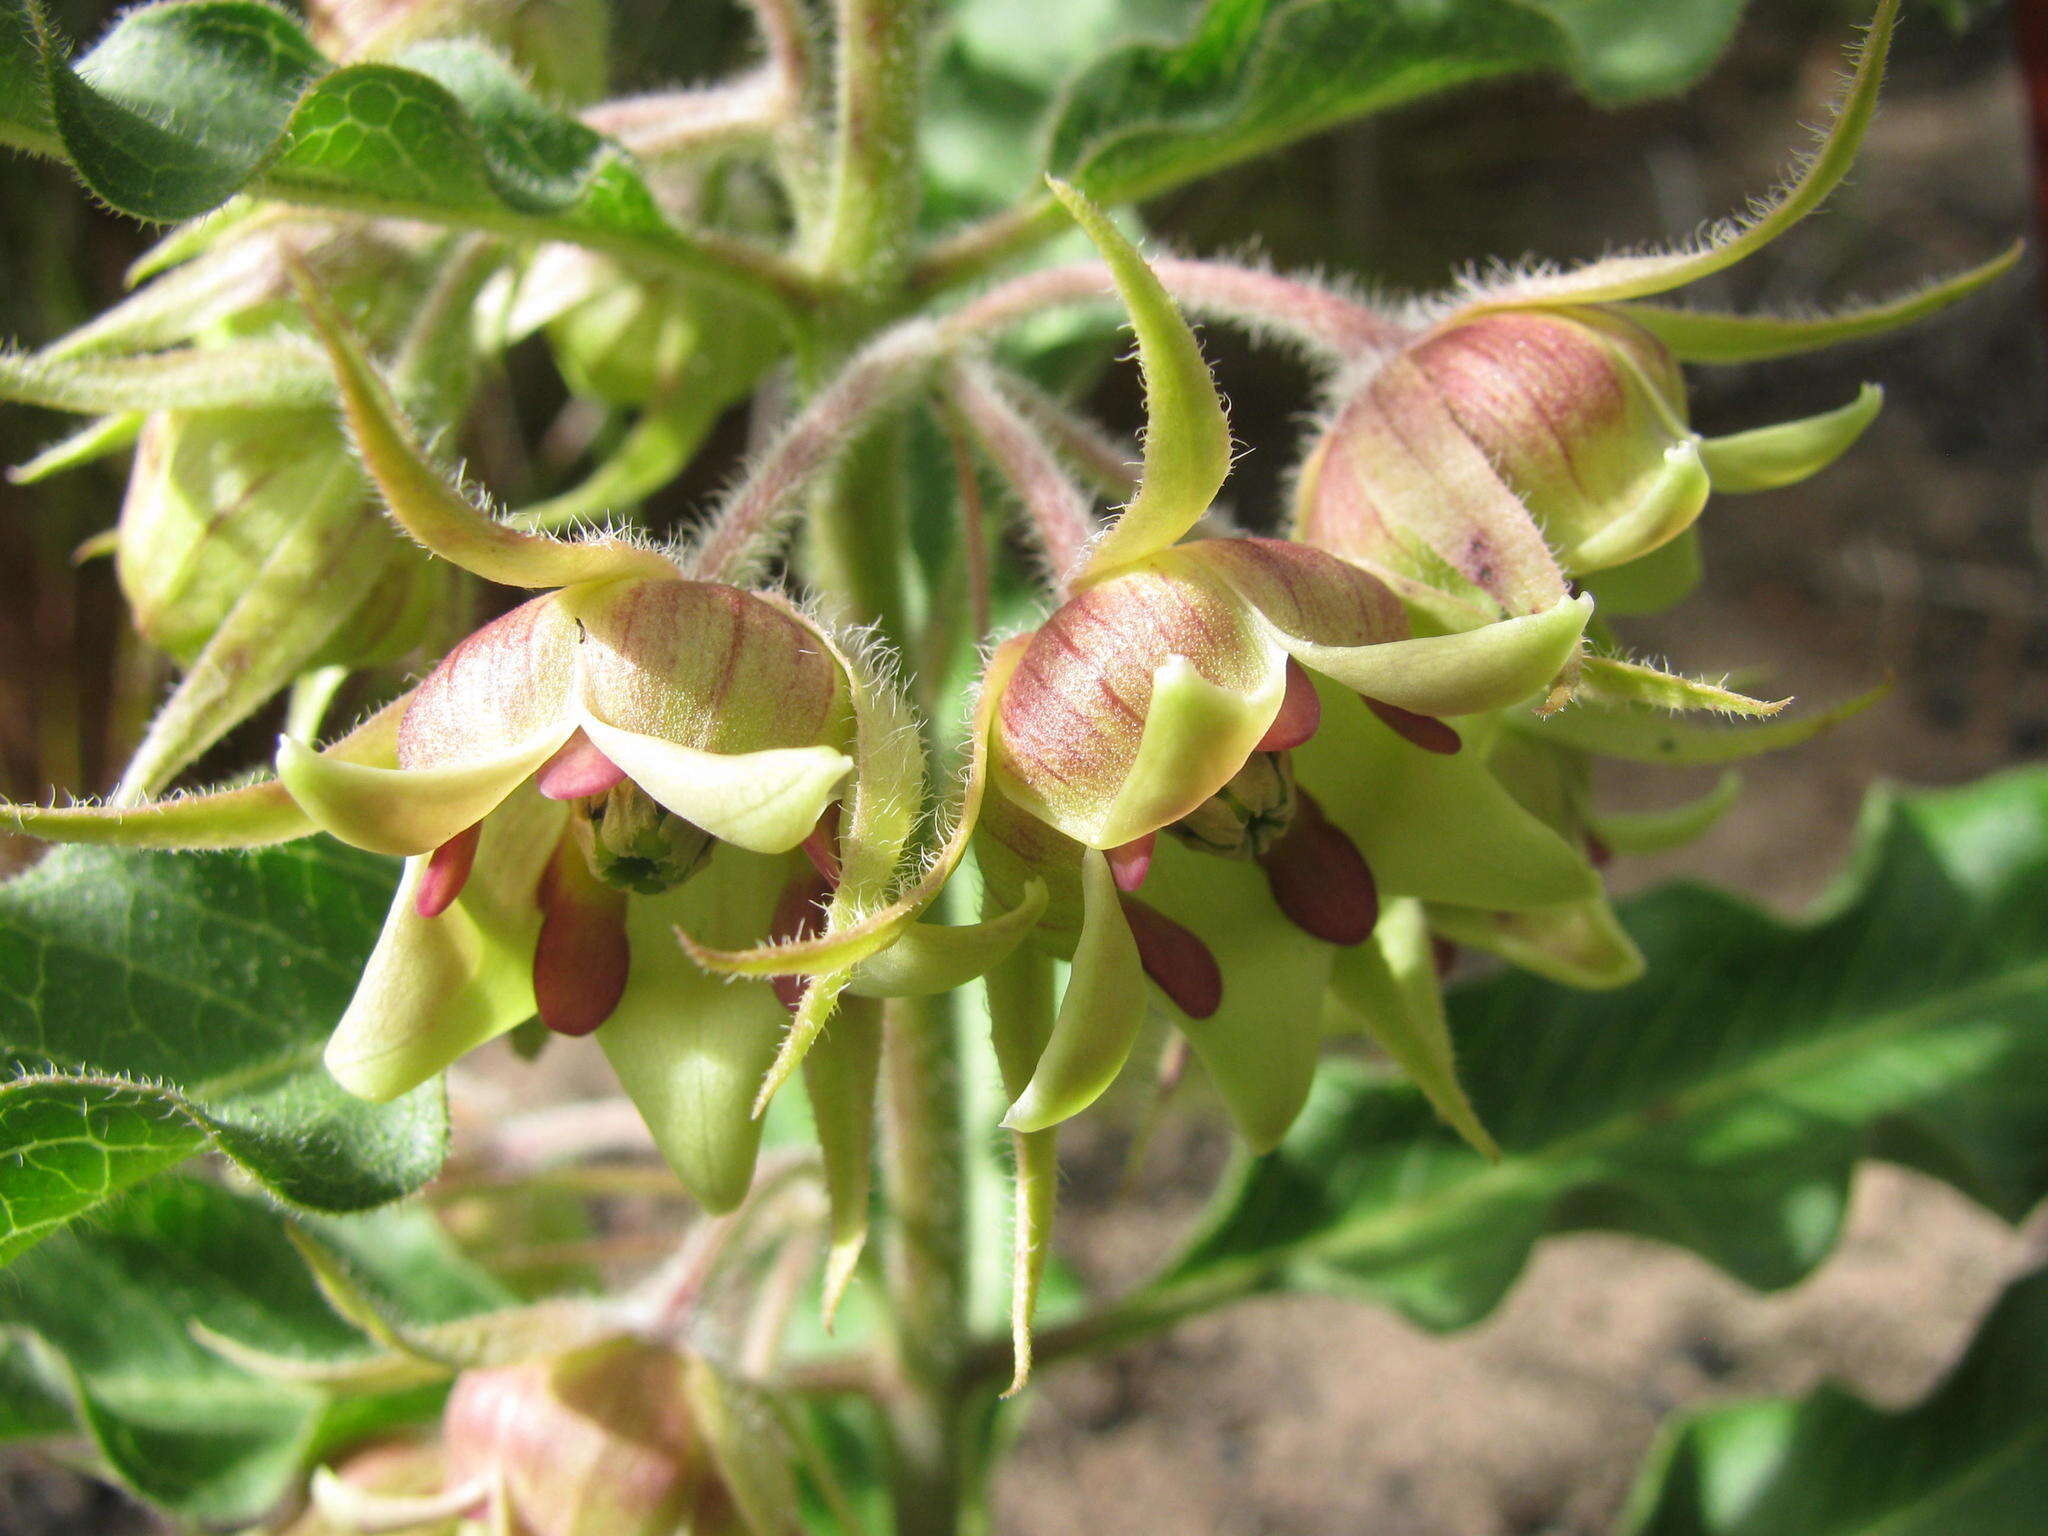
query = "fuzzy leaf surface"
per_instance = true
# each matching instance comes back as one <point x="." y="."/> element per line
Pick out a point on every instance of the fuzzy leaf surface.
<point x="1253" y="75"/>
<point x="1720" y="1103"/>
<point x="111" y="1306"/>
<point x="155" y="1004"/>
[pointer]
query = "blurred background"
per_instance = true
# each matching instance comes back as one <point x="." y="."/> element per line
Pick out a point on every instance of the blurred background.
<point x="1919" y="558"/>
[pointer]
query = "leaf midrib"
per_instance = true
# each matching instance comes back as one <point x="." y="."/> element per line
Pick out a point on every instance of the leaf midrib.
<point x="1384" y="1227"/>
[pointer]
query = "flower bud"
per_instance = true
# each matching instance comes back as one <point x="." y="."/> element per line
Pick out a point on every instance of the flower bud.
<point x="596" y="1442"/>
<point x="559" y="44"/>
<point x="211" y="498"/>
<point x="1247" y="816"/>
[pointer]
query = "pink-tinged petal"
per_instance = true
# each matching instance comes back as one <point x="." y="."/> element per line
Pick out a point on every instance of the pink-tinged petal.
<point x="403" y="810"/>
<point x="1135" y="702"/>
<point x="1301" y="712"/>
<point x="799" y="913"/>
<point x="1321" y="880"/>
<point x="822" y="846"/>
<point x="447" y="873"/>
<point x="765" y="802"/>
<point x="1130" y="863"/>
<point x="706" y="666"/>
<point x="582" y="958"/>
<point x="1424" y="731"/>
<point x="1177" y="962"/>
<point x="511" y="681"/>
<point x="578" y="771"/>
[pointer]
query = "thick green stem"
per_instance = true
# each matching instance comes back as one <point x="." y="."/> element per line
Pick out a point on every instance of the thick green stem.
<point x="923" y="1169"/>
<point x="876" y="177"/>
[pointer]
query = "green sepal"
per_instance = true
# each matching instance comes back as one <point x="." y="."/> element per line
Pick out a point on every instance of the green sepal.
<point x="1387" y="987"/>
<point x="93" y="441"/>
<point x="840" y="1075"/>
<point x="1613" y="680"/>
<point x="1649" y="583"/>
<point x="1099" y="1015"/>
<point x="1635" y="832"/>
<point x="1579" y="944"/>
<point x="1036" y="1180"/>
<point x="243" y="375"/>
<point x="1438" y="827"/>
<point x="1187" y="438"/>
<point x="1697" y="336"/>
<point x="1768" y="458"/>
<point x="1637" y="733"/>
<point x="928" y="958"/>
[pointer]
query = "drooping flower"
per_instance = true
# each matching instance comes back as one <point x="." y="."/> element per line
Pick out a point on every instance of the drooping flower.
<point x="1533" y="432"/>
<point x="1268" y="709"/>
<point x="629" y="754"/>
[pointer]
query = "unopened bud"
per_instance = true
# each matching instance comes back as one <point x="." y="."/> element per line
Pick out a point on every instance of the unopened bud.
<point x="600" y="1441"/>
<point x="1245" y="818"/>
<point x="637" y="845"/>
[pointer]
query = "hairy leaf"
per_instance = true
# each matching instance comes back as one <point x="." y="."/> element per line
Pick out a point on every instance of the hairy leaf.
<point x="1720" y="1103"/>
<point x="1256" y="74"/>
<point x="1971" y="1460"/>
<point x="161" y="1003"/>
<point x="118" y="1307"/>
<point x="181" y="106"/>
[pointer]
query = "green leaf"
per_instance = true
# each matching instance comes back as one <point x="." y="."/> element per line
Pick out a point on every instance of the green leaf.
<point x="181" y="106"/>
<point x="1971" y="1460"/>
<point x="115" y="1307"/>
<point x="162" y="1003"/>
<point x="1719" y="1103"/>
<point x="1256" y="74"/>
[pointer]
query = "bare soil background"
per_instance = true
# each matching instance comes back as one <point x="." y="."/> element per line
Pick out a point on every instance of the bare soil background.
<point x="1921" y="557"/>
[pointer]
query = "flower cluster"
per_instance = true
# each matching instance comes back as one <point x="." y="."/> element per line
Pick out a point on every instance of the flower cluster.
<point x="1256" y="786"/>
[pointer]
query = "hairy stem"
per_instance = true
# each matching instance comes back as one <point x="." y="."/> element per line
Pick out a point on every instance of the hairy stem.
<point x="922" y="1162"/>
<point x="876" y="178"/>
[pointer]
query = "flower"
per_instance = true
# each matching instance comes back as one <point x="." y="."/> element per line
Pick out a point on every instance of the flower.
<point x="1267" y="707"/>
<point x="1532" y="432"/>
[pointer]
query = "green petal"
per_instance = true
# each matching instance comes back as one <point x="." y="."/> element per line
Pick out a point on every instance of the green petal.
<point x="1579" y="944"/>
<point x="691" y="1049"/>
<point x="1442" y="828"/>
<point x="1197" y="736"/>
<point x="1187" y="439"/>
<point x="436" y="988"/>
<point x="431" y="510"/>
<point x="840" y="1074"/>
<point x="1479" y="669"/>
<point x="1388" y="988"/>
<point x="1261" y="1044"/>
<point x="1099" y="1016"/>
<point x="765" y="802"/>
<point x="1770" y="457"/>
<point x="1695" y="336"/>
<point x="1670" y="504"/>
<point x="1630" y="277"/>
<point x="1638" y="734"/>
<point x="928" y="958"/>
<point x="1655" y="831"/>
<point x="404" y="810"/>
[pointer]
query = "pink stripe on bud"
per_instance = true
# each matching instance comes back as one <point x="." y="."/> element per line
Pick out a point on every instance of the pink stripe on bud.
<point x="1129" y="864"/>
<point x="447" y="872"/>
<point x="582" y="958"/>
<point x="798" y="914"/>
<point x="1424" y="731"/>
<point x="1179" y="964"/>
<point x="1320" y="880"/>
<point x="1301" y="712"/>
<point x="578" y="771"/>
